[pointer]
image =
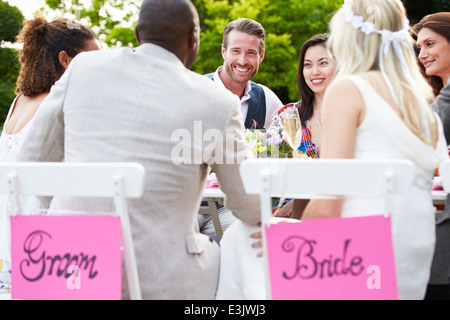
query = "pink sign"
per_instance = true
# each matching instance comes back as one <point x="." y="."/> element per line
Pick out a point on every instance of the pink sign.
<point x="211" y="184"/>
<point x="332" y="259"/>
<point x="66" y="257"/>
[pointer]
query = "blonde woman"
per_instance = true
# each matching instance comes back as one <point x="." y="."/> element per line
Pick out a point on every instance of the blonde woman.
<point x="379" y="104"/>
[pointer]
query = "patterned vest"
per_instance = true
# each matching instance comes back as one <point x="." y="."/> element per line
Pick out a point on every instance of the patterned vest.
<point x="256" y="114"/>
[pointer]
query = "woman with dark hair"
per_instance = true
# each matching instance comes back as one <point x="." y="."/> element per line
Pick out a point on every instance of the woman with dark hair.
<point x="433" y="43"/>
<point x="48" y="48"/>
<point x="315" y="72"/>
<point x="316" y="69"/>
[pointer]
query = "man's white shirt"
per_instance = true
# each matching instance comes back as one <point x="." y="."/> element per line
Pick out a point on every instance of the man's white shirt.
<point x="273" y="103"/>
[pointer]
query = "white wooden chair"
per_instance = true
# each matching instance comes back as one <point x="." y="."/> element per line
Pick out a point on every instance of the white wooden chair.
<point x="323" y="178"/>
<point x="115" y="180"/>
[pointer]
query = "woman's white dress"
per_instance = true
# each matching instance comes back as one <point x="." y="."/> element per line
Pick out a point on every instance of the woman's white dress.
<point x="9" y="145"/>
<point x="381" y="135"/>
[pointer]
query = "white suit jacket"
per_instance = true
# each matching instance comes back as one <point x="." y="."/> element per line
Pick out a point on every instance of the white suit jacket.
<point x="142" y="105"/>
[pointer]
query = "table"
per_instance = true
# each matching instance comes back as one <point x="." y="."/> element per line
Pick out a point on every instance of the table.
<point x="5" y="296"/>
<point x="210" y="195"/>
<point x="439" y="199"/>
<point x="213" y="193"/>
<point x="439" y="196"/>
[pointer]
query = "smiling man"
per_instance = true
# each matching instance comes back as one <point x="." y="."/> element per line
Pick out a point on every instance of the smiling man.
<point x="243" y="49"/>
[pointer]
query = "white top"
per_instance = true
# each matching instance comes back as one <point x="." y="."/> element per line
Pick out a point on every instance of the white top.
<point x="273" y="103"/>
<point x="382" y="134"/>
<point x="9" y="145"/>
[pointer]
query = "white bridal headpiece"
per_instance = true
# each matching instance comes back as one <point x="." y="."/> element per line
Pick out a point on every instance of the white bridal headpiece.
<point x="388" y="38"/>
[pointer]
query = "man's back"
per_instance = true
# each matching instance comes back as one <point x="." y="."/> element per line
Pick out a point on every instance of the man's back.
<point x="144" y="106"/>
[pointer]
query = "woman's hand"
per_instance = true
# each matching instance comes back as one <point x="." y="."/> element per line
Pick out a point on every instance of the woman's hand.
<point x="257" y="236"/>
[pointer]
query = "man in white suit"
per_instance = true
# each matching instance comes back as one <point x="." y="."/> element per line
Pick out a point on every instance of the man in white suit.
<point x="127" y="105"/>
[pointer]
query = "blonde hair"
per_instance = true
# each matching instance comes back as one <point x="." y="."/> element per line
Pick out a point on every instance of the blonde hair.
<point x="359" y="53"/>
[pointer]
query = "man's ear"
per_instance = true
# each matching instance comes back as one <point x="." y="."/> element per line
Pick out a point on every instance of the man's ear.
<point x="136" y="33"/>
<point x="262" y="56"/>
<point x="64" y="59"/>
<point x="194" y="40"/>
<point x="224" y="55"/>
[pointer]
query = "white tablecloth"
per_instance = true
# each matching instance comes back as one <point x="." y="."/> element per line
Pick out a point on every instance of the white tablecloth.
<point x="5" y="296"/>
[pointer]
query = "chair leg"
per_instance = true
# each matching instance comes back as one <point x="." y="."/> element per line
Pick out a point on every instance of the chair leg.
<point x="215" y="217"/>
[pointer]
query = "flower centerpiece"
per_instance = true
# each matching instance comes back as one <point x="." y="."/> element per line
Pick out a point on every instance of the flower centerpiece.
<point x="270" y="143"/>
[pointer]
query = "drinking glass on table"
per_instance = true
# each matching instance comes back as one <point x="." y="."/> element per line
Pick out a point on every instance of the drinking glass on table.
<point x="292" y="127"/>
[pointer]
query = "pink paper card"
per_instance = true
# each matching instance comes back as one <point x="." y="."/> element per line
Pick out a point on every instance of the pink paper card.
<point x="332" y="259"/>
<point x="211" y="184"/>
<point x="66" y="257"/>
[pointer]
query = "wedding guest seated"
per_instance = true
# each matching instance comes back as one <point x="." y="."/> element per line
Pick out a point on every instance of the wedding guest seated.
<point x="48" y="48"/>
<point x="439" y="284"/>
<point x="315" y="72"/>
<point x="241" y="268"/>
<point x="243" y="50"/>
<point x="433" y="43"/>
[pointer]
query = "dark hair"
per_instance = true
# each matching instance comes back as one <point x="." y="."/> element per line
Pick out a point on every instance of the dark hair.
<point x="439" y="23"/>
<point x="248" y="26"/>
<point x="42" y="42"/>
<point x="305" y="107"/>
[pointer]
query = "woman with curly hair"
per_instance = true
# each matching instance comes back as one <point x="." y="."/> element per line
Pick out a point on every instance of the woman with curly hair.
<point x="48" y="48"/>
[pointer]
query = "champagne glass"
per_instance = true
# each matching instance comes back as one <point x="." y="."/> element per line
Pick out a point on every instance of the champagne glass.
<point x="292" y="127"/>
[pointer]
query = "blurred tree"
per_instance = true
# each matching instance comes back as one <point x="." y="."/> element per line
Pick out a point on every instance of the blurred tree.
<point x="417" y="9"/>
<point x="288" y="23"/>
<point x="10" y="25"/>
<point x="11" y="22"/>
<point x="112" y="20"/>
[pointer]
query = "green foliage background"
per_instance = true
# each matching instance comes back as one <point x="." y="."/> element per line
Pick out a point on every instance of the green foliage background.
<point x="288" y="24"/>
<point x="10" y="24"/>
